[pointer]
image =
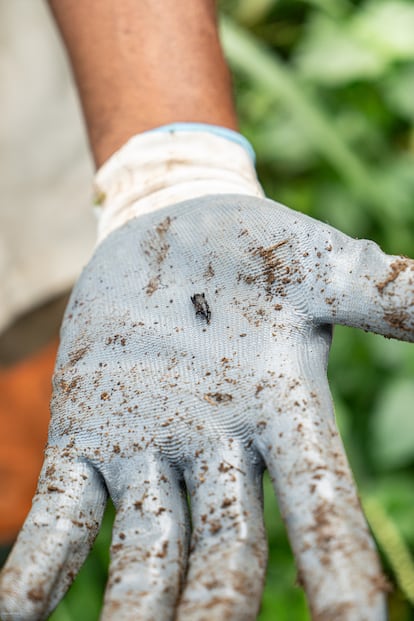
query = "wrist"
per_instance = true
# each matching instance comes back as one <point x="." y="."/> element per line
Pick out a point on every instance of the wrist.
<point x="169" y="165"/>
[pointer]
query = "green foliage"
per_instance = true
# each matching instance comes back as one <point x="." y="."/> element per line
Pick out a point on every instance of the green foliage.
<point x="393" y="425"/>
<point x="325" y="92"/>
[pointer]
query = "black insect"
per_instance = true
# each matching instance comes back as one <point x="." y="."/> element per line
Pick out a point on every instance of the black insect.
<point x="201" y="306"/>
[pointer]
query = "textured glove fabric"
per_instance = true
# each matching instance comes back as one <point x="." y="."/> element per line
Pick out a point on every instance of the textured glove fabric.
<point x="169" y="165"/>
<point x="193" y="355"/>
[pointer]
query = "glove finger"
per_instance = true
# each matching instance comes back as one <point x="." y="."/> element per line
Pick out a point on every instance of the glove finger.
<point x="149" y="542"/>
<point x="359" y="285"/>
<point x="55" y="539"/>
<point x="228" y="553"/>
<point x="336" y="558"/>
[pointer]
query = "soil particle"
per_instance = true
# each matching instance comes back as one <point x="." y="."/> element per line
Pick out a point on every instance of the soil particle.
<point x="336" y="611"/>
<point x="209" y="272"/>
<point x="249" y="279"/>
<point x="67" y="387"/>
<point x="399" y="320"/>
<point x="259" y="389"/>
<point x="212" y="584"/>
<point x="216" y="398"/>
<point x="215" y="526"/>
<point x="77" y="355"/>
<point x="164" y="550"/>
<point x="50" y="470"/>
<point x="381" y="583"/>
<point x="224" y="467"/>
<point x="54" y="488"/>
<point x="323" y="526"/>
<point x="152" y="285"/>
<point x="163" y="226"/>
<point x="36" y="594"/>
<point x="271" y="262"/>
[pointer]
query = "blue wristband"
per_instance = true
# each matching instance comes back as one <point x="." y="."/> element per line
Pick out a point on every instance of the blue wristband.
<point x="223" y="132"/>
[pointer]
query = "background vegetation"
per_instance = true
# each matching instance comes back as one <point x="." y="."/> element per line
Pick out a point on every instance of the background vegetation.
<point x="325" y="92"/>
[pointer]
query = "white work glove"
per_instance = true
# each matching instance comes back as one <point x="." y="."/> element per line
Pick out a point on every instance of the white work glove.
<point x="193" y="355"/>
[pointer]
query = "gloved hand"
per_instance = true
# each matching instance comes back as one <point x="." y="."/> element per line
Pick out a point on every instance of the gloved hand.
<point x="193" y="355"/>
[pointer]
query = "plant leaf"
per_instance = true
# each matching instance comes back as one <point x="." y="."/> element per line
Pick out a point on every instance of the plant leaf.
<point x="393" y="425"/>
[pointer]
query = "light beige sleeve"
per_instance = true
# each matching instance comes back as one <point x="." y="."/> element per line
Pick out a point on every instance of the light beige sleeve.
<point x="47" y="228"/>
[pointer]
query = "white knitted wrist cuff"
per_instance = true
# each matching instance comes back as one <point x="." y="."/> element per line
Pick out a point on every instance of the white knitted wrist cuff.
<point x="169" y="165"/>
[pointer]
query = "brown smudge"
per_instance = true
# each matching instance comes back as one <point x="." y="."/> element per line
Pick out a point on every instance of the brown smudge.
<point x="164" y="550"/>
<point x="163" y="226"/>
<point x="398" y="266"/>
<point x="334" y="612"/>
<point x="216" y="398"/>
<point x="157" y="248"/>
<point x="271" y="262"/>
<point x="67" y="387"/>
<point x="398" y="319"/>
<point x="36" y="594"/>
<point x="152" y="285"/>
<point x="54" y="488"/>
<point x="77" y="355"/>
<point x="209" y="272"/>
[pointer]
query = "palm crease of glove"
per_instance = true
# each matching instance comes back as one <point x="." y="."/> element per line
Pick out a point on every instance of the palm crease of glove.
<point x="158" y="393"/>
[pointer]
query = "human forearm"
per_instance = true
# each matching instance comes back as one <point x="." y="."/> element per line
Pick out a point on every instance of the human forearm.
<point x="139" y="65"/>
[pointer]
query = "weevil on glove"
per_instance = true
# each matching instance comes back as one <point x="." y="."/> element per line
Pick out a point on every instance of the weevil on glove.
<point x="193" y="355"/>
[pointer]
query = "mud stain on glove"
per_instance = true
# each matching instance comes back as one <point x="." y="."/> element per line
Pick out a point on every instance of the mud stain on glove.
<point x="272" y="262"/>
<point x="400" y="265"/>
<point x="217" y="397"/>
<point x="156" y="249"/>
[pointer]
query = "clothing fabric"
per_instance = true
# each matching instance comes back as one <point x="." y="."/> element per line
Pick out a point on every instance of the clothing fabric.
<point x="25" y="391"/>
<point x="47" y="228"/>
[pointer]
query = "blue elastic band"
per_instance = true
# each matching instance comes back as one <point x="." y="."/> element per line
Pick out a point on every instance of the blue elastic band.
<point x="223" y="132"/>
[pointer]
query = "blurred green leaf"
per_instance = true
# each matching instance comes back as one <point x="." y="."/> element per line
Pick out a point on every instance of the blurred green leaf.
<point x="392" y="355"/>
<point x="392" y="544"/>
<point x="250" y="13"/>
<point x="398" y="91"/>
<point x="280" y="140"/>
<point x="249" y="56"/>
<point x="282" y="599"/>
<point x="395" y="492"/>
<point x="387" y="27"/>
<point x="393" y="425"/>
<point x="84" y="598"/>
<point x="330" y="54"/>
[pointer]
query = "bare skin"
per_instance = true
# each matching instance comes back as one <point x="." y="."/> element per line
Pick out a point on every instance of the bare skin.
<point x="139" y="65"/>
